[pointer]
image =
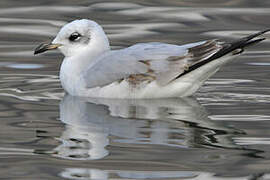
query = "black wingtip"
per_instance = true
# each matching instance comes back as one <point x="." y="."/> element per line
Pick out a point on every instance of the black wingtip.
<point x="245" y="41"/>
<point x="265" y="31"/>
<point x="238" y="44"/>
<point x="252" y="42"/>
<point x="250" y="37"/>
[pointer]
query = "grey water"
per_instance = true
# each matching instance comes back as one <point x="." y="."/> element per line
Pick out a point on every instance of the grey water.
<point x="222" y="132"/>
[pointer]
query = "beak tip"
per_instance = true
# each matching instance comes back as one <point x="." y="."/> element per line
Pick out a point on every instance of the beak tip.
<point x="44" y="47"/>
<point x="38" y="51"/>
<point x="41" y="48"/>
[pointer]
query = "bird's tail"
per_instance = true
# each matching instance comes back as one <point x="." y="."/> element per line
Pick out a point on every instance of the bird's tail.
<point x="234" y="47"/>
<point x="239" y="44"/>
<point x="249" y="40"/>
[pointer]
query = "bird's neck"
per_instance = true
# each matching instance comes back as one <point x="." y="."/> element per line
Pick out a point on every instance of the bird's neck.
<point x="73" y="66"/>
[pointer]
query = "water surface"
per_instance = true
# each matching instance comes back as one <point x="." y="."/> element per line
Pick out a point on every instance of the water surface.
<point x="222" y="132"/>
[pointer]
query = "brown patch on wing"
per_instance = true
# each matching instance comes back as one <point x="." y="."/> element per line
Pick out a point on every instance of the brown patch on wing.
<point x="175" y="58"/>
<point x="148" y="64"/>
<point x="176" y="65"/>
<point x="197" y="54"/>
<point x="148" y="77"/>
<point x="139" y="78"/>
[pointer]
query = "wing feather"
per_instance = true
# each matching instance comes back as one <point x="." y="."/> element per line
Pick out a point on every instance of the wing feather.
<point x="148" y="62"/>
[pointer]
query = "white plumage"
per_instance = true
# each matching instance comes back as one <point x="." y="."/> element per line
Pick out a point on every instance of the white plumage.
<point x="145" y="70"/>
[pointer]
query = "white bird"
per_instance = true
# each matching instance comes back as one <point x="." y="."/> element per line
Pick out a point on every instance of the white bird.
<point x="145" y="70"/>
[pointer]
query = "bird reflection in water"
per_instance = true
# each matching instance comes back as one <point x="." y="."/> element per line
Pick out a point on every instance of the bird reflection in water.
<point x="93" y="124"/>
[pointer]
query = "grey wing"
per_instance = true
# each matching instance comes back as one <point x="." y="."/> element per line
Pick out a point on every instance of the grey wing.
<point x="148" y="62"/>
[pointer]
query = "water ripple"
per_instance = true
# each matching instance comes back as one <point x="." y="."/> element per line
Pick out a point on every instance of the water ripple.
<point x="30" y="87"/>
<point x="239" y="117"/>
<point x="252" y="140"/>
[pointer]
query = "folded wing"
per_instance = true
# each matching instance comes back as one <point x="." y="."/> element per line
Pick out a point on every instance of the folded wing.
<point x="148" y="62"/>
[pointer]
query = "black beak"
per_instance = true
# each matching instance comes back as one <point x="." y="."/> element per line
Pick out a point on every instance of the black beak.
<point x="45" y="47"/>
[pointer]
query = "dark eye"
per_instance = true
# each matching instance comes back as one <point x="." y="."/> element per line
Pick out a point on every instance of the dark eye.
<point x="74" y="36"/>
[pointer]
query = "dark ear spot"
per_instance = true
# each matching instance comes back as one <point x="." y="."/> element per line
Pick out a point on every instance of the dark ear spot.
<point x="74" y="36"/>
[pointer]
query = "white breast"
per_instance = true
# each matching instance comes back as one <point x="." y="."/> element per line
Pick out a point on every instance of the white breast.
<point x="70" y="77"/>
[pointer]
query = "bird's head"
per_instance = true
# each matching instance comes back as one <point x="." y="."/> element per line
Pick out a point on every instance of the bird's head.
<point x="75" y="37"/>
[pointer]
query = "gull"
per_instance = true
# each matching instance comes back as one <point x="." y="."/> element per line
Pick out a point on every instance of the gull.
<point x="142" y="71"/>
